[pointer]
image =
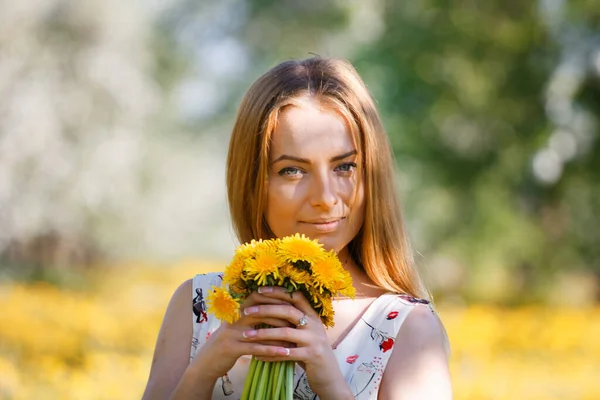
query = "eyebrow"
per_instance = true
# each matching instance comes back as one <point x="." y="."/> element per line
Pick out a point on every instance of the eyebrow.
<point x="307" y="161"/>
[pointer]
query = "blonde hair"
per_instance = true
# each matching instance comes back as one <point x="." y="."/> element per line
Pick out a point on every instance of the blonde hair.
<point x="381" y="246"/>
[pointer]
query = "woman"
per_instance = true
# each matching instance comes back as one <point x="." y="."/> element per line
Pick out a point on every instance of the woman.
<point x="309" y="155"/>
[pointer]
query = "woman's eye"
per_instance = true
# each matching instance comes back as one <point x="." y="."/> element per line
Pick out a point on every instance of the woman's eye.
<point x="290" y="171"/>
<point x="347" y="167"/>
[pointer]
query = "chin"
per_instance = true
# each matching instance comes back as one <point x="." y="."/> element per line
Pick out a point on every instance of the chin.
<point x="330" y="243"/>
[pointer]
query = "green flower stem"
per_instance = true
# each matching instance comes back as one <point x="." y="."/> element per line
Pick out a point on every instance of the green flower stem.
<point x="283" y="392"/>
<point x="290" y="380"/>
<point x="248" y="383"/>
<point x="263" y="381"/>
<point x="255" y="378"/>
<point x="267" y="372"/>
<point x="278" y="381"/>
<point x="271" y="381"/>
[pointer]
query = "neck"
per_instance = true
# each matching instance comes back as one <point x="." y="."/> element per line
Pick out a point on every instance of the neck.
<point x="363" y="285"/>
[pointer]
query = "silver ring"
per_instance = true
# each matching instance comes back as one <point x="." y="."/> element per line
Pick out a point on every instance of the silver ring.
<point x="303" y="321"/>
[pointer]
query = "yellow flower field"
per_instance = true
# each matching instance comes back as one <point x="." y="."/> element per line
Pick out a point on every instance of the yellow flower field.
<point x="97" y="342"/>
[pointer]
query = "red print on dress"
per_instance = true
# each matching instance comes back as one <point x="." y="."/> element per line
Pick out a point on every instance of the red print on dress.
<point x="392" y="315"/>
<point x="386" y="344"/>
<point x="352" y="359"/>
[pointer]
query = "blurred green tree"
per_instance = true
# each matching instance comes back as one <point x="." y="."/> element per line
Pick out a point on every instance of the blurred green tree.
<point x="491" y="108"/>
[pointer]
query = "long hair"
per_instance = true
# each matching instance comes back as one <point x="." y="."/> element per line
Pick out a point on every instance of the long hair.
<point x="381" y="246"/>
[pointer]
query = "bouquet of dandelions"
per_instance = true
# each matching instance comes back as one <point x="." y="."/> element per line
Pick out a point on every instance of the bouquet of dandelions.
<point x="296" y="263"/>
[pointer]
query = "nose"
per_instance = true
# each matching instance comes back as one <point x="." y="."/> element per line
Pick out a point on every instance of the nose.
<point x="324" y="193"/>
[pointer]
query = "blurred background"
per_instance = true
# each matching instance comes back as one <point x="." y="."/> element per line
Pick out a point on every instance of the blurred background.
<point x="114" y="124"/>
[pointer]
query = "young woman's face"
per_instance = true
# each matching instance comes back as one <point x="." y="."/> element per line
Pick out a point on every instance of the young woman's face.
<point x="314" y="186"/>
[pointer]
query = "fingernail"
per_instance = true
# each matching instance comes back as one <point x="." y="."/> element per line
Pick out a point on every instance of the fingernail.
<point x="250" y="310"/>
<point x="249" y="334"/>
<point x="265" y="289"/>
<point x="283" y="351"/>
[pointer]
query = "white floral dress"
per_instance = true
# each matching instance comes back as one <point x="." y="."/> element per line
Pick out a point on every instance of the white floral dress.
<point x="362" y="355"/>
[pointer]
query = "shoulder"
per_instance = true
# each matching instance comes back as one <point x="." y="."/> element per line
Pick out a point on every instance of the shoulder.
<point x="423" y="323"/>
<point x="172" y="351"/>
<point x="183" y="290"/>
<point x="418" y="365"/>
<point x="178" y="310"/>
<point x="171" y="354"/>
<point x="423" y="326"/>
<point x="180" y="300"/>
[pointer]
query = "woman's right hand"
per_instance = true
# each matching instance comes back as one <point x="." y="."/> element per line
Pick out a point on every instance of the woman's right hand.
<point x="227" y="344"/>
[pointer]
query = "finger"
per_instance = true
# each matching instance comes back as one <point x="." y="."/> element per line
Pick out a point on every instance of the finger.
<point x="250" y="334"/>
<point x="258" y="320"/>
<point x="298" y="354"/>
<point x="297" y="337"/>
<point x="278" y="343"/>
<point x="263" y="350"/>
<point x="242" y="342"/>
<point x="296" y="298"/>
<point x="257" y="298"/>
<point x="288" y="313"/>
<point x="254" y="299"/>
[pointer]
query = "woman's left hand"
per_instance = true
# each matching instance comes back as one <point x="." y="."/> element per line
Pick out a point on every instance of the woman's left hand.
<point x="312" y="348"/>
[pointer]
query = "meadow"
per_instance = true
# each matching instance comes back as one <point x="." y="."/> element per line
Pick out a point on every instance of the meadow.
<point x="95" y="341"/>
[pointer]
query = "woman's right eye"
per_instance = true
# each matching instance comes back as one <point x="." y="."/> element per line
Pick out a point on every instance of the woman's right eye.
<point x="290" y="172"/>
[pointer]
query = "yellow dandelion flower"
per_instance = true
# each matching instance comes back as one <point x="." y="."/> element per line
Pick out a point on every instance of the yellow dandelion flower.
<point x="296" y="277"/>
<point x="222" y="305"/>
<point x="239" y="290"/>
<point x="342" y="285"/>
<point x="328" y="272"/>
<point x="327" y="313"/>
<point x="295" y="248"/>
<point x="345" y="290"/>
<point x="315" y="294"/>
<point x="265" y="264"/>
<point x="250" y="250"/>
<point x="233" y="272"/>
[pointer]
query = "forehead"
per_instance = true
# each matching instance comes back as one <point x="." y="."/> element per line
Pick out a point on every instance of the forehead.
<point x="307" y="128"/>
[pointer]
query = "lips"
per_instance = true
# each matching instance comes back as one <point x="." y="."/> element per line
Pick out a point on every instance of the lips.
<point x="325" y="225"/>
<point x="324" y="221"/>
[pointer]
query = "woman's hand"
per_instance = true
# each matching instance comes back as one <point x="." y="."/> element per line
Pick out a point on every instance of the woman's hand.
<point x="311" y="347"/>
<point x="227" y="344"/>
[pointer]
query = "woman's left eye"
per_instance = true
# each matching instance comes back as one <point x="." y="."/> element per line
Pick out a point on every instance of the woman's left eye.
<point x="346" y="167"/>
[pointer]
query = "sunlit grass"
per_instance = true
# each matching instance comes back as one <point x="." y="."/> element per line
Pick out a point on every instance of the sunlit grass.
<point x="97" y="343"/>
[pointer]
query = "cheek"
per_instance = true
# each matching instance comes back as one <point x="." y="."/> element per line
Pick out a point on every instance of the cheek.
<point x="353" y="196"/>
<point x="358" y="209"/>
<point x="281" y="208"/>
